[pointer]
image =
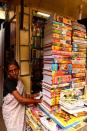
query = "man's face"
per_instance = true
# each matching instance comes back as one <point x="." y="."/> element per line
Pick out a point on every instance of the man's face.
<point x="13" y="72"/>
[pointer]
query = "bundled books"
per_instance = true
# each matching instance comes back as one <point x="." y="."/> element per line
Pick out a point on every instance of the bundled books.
<point x="64" y="60"/>
<point x="79" y="45"/>
<point x="57" y="63"/>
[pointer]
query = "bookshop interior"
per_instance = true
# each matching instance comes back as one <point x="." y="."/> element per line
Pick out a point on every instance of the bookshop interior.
<point x="49" y="41"/>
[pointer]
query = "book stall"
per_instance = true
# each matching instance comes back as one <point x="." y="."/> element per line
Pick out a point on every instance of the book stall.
<point x="64" y="101"/>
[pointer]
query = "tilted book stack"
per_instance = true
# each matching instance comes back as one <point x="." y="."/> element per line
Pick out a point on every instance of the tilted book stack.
<point x="57" y="67"/>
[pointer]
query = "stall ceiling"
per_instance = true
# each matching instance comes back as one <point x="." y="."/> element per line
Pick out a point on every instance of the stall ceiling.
<point x="72" y="8"/>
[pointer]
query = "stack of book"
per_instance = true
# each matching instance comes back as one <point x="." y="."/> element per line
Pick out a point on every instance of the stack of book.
<point x="79" y="45"/>
<point x="57" y="64"/>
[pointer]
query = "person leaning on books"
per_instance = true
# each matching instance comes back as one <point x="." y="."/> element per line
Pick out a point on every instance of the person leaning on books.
<point x="14" y="100"/>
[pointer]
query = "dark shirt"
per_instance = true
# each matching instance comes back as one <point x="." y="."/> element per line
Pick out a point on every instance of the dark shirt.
<point x="9" y="86"/>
